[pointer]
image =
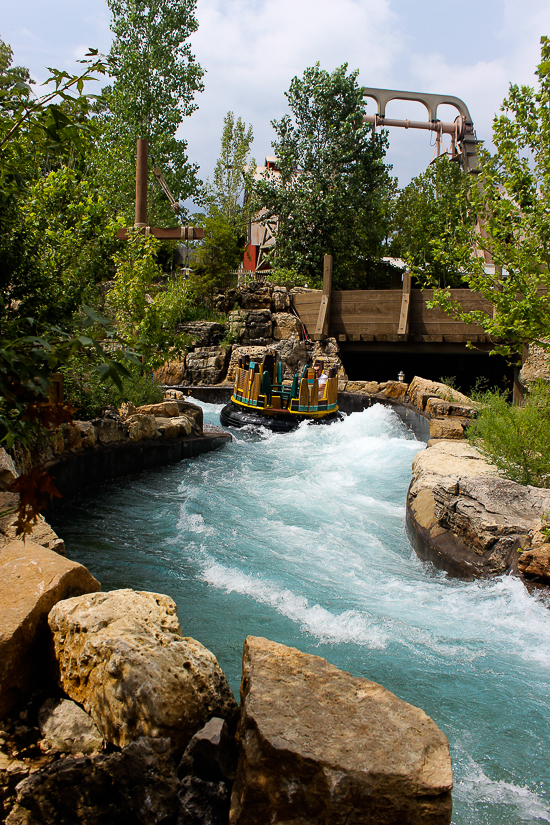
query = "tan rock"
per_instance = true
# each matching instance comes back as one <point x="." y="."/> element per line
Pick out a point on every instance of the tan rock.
<point x="280" y="299"/>
<point x="8" y="473"/>
<point x="122" y="656"/>
<point x="32" y="580"/>
<point x="88" y="434"/>
<point x="284" y="324"/>
<point x="439" y="408"/>
<point x="192" y="412"/>
<point x="450" y="428"/>
<point x="396" y="389"/>
<point x="319" y="745"/>
<point x="141" y="426"/>
<point x="66" y="728"/>
<point x="536" y="366"/>
<point x="174" y="427"/>
<point x="167" y="409"/>
<point x="72" y="438"/>
<point x="421" y="389"/>
<point x="109" y="431"/>
<point x="364" y="387"/>
<point x="535" y="563"/>
<point x="206" y="365"/>
<point x="174" y="395"/>
<point x="446" y="458"/>
<point x="171" y="374"/>
<point x="41" y="532"/>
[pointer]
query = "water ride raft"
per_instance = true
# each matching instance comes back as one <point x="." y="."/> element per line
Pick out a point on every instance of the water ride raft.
<point x="261" y="398"/>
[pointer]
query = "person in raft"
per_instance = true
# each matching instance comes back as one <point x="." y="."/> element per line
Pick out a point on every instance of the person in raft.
<point x="321" y="377"/>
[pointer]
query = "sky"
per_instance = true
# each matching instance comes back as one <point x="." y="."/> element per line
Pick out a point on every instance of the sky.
<point x="251" y="50"/>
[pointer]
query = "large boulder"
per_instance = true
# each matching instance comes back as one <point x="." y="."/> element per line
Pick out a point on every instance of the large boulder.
<point x="319" y="745"/>
<point x="470" y="522"/>
<point x="206" y="365"/>
<point x="135" y="787"/>
<point x="535" y="563"/>
<point x="363" y="387"/>
<point x="493" y="517"/>
<point x="122" y="656"/>
<point x="32" y="580"/>
<point x="140" y="426"/>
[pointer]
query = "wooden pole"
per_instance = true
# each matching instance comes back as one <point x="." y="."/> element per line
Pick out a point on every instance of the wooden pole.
<point x="321" y="330"/>
<point x="141" y="184"/>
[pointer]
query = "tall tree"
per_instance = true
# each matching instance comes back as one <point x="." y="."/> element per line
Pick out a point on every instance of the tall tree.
<point x="227" y="213"/>
<point x="155" y="77"/>
<point x="432" y="221"/>
<point x="512" y="198"/>
<point x="329" y="196"/>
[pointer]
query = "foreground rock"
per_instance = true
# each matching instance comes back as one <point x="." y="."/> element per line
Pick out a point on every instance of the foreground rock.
<point x="135" y="787"/>
<point x="32" y="580"/>
<point x="66" y="728"/>
<point x="318" y="745"/>
<point x="122" y="656"/>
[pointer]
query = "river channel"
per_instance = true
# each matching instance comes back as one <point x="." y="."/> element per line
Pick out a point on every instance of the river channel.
<point x="301" y="538"/>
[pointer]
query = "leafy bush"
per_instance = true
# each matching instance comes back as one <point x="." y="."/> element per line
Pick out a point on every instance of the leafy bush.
<point x="89" y="395"/>
<point x="291" y="278"/>
<point x="516" y="439"/>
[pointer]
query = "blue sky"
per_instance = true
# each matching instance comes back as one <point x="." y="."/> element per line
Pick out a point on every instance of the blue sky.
<point x="251" y="49"/>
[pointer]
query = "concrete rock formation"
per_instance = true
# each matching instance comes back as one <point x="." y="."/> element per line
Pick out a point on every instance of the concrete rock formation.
<point x="140" y="426"/>
<point x="32" y="580"/>
<point x="469" y="521"/>
<point x="122" y="656"/>
<point x="318" y="745"/>
<point x="284" y="325"/>
<point x="204" y="333"/>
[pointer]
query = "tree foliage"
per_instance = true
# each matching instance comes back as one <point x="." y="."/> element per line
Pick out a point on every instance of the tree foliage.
<point x="329" y="196"/>
<point x="432" y="223"/>
<point x="227" y="213"/>
<point x="512" y="199"/>
<point x="516" y="439"/>
<point x="155" y="77"/>
<point x="147" y="307"/>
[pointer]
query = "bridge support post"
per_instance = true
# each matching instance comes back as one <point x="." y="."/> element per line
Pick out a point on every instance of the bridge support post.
<point x="321" y="329"/>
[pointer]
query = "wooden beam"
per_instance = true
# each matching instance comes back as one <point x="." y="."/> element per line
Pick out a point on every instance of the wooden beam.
<point x="367" y="336"/>
<point x="342" y="337"/>
<point x="140" y="215"/>
<point x="321" y="328"/>
<point x="190" y="233"/>
<point x="405" y="305"/>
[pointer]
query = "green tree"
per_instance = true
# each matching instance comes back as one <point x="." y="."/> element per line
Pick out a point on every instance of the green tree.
<point x="147" y="306"/>
<point x="227" y="212"/>
<point x="512" y="199"/>
<point x="431" y="221"/>
<point x="329" y="196"/>
<point x="155" y="77"/>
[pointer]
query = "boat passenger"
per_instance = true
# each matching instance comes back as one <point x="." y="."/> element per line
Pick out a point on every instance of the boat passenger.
<point x="320" y="376"/>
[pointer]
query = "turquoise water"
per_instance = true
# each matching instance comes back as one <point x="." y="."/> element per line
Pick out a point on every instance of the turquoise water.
<point x="300" y="538"/>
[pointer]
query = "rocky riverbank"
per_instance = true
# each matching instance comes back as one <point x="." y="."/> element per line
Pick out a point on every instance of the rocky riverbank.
<point x="131" y="722"/>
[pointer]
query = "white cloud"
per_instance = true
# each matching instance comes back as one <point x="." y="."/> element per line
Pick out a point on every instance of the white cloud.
<point x="251" y="51"/>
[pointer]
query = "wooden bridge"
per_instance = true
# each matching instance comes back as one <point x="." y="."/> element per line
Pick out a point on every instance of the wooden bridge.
<point x="387" y="316"/>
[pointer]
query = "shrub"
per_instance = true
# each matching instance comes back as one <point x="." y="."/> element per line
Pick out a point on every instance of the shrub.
<point x="516" y="439"/>
<point x="89" y="395"/>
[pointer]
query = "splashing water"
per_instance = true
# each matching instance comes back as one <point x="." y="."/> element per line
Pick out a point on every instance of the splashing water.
<point x="300" y="538"/>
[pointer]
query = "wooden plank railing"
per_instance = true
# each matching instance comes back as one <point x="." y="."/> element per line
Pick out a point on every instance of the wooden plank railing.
<point x="383" y="314"/>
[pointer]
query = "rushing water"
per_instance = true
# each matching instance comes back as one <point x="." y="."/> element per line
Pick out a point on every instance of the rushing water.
<point x="300" y="538"/>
